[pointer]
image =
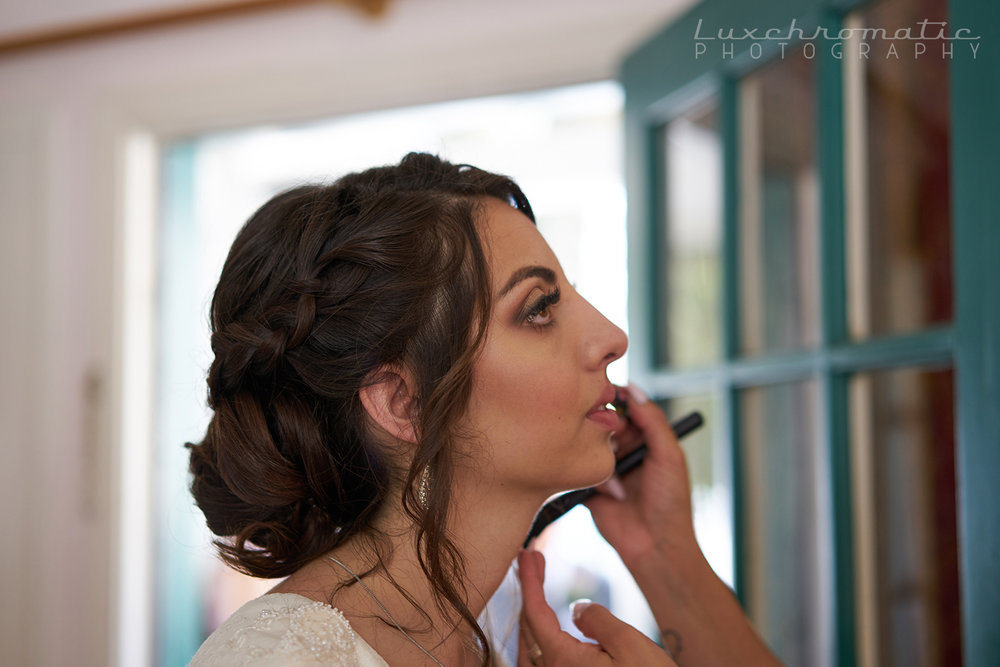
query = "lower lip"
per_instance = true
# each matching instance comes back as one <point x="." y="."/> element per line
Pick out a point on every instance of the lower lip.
<point x="605" y="417"/>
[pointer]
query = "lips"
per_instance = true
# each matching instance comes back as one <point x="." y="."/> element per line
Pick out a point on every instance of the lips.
<point x="602" y="414"/>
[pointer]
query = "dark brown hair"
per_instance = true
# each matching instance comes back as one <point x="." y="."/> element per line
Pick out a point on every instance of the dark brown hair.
<point x="324" y="286"/>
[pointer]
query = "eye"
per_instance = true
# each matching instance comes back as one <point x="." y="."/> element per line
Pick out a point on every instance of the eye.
<point x="542" y="317"/>
<point x="539" y="314"/>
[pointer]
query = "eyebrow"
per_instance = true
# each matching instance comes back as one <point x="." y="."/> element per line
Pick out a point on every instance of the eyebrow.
<point x="525" y="272"/>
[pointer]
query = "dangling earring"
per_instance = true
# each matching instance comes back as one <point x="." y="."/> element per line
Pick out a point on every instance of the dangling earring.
<point x="424" y="489"/>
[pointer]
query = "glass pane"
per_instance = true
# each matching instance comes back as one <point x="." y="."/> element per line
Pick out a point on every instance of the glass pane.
<point x="708" y="459"/>
<point x="899" y="222"/>
<point x="787" y="522"/>
<point x="779" y="207"/>
<point x="906" y="533"/>
<point x="689" y="313"/>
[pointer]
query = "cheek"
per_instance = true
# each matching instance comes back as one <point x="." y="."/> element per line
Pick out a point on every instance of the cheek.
<point x="525" y="388"/>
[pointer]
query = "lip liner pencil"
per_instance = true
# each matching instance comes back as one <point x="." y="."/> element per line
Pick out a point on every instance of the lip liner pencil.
<point x="558" y="506"/>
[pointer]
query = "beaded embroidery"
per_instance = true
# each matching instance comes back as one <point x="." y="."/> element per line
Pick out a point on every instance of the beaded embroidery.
<point x="307" y="634"/>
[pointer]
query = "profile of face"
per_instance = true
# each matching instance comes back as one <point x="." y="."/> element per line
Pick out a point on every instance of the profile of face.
<point x="540" y="384"/>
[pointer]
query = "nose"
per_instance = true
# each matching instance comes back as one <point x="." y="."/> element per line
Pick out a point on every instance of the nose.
<point x="604" y="341"/>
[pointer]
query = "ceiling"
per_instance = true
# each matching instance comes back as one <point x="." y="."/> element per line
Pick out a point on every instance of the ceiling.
<point x="26" y="25"/>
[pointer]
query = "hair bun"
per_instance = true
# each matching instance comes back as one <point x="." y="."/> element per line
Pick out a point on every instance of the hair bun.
<point x="323" y="286"/>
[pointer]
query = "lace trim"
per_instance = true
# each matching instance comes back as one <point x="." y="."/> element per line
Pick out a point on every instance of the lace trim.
<point x="307" y="633"/>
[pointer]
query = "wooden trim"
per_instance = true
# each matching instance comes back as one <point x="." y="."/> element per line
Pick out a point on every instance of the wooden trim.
<point x="119" y="25"/>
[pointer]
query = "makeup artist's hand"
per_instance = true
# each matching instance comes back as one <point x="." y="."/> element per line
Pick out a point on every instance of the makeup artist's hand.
<point x="655" y="512"/>
<point x="650" y="525"/>
<point x="543" y="643"/>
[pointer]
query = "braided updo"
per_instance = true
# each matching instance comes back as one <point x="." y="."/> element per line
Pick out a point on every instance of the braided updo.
<point x="324" y="286"/>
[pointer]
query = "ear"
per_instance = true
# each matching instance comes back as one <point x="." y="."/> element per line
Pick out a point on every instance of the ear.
<point x="390" y="401"/>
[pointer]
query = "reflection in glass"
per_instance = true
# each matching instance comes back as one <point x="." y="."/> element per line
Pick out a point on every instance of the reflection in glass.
<point x="779" y="207"/>
<point x="903" y="452"/>
<point x="688" y="313"/>
<point x="708" y="460"/>
<point x="899" y="198"/>
<point x="787" y="522"/>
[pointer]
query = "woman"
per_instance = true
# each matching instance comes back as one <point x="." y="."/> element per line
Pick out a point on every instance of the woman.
<point x="402" y="376"/>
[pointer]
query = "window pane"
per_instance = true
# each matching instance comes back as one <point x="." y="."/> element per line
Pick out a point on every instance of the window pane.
<point x="688" y="313"/>
<point x="708" y="459"/>
<point x="905" y="524"/>
<point x="787" y="522"/>
<point x="899" y="223"/>
<point x="779" y="207"/>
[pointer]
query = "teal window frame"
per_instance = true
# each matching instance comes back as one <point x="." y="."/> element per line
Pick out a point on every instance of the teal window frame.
<point x="661" y="79"/>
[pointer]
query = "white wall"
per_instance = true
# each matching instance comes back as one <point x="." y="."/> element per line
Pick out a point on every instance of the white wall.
<point x="65" y="116"/>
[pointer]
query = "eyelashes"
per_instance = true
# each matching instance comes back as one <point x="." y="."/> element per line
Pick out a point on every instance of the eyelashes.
<point x="538" y="314"/>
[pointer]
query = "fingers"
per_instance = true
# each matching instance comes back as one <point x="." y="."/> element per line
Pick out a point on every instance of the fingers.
<point x="651" y="423"/>
<point x="542" y="643"/>
<point x="623" y="643"/>
<point x="531" y="582"/>
<point x="613" y="487"/>
<point x="628" y="436"/>
<point x="541" y="640"/>
<point x="601" y="625"/>
<point x="542" y="622"/>
<point x="657" y="507"/>
<point x="525" y="645"/>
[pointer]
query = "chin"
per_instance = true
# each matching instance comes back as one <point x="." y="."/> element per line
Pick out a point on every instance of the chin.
<point x="603" y="465"/>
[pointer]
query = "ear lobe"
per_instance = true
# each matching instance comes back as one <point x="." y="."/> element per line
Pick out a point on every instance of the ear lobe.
<point x="391" y="403"/>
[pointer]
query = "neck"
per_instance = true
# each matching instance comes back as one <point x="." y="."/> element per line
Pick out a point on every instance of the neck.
<point x="489" y="541"/>
<point x="488" y="545"/>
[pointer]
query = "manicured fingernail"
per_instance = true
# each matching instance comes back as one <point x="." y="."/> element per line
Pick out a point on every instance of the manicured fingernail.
<point x="578" y="607"/>
<point x="614" y="488"/>
<point x="638" y="395"/>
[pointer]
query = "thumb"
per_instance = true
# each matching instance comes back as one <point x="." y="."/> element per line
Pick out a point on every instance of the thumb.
<point x="616" y="637"/>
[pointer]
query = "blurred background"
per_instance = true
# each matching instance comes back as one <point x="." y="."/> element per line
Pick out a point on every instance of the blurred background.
<point x="795" y="228"/>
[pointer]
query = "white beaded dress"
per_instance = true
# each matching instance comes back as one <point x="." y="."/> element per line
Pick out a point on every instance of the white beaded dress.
<point x="286" y="630"/>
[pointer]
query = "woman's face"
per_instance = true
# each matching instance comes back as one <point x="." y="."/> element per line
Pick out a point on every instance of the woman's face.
<point x="541" y="387"/>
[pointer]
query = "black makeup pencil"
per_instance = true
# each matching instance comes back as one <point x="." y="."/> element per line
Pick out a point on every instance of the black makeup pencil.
<point x="558" y="506"/>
